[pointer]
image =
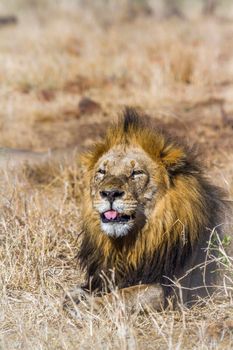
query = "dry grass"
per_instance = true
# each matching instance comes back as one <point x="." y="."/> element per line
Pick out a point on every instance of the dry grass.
<point x="179" y="72"/>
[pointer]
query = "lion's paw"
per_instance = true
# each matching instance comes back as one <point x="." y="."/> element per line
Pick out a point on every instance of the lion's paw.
<point x="75" y="302"/>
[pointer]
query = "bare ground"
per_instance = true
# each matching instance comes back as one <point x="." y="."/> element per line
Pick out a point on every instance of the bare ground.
<point x="65" y="75"/>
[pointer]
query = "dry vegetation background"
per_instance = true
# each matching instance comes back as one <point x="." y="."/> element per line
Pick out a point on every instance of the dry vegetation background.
<point x="66" y="70"/>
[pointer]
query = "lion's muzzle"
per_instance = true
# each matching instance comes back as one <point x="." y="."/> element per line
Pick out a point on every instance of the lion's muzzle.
<point x="116" y="216"/>
<point x="116" y="206"/>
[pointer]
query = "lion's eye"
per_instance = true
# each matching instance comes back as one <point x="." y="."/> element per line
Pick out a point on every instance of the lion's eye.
<point x="137" y="173"/>
<point x="101" y="171"/>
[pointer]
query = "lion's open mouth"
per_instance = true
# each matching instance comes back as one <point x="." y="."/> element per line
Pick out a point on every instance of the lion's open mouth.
<point x="114" y="216"/>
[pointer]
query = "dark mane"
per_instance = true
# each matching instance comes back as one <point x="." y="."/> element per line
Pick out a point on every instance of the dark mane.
<point x="131" y="119"/>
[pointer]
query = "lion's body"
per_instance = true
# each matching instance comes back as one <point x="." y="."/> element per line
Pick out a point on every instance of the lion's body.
<point x="169" y="205"/>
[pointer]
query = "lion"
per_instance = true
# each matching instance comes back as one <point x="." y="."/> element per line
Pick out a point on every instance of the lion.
<point x="148" y="215"/>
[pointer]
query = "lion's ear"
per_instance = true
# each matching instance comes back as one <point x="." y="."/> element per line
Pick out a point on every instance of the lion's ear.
<point x="173" y="158"/>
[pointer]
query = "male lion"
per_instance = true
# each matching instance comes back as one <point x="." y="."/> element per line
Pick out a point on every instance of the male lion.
<point x="148" y="213"/>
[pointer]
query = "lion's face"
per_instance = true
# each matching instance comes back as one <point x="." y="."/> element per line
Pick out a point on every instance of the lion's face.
<point x="123" y="189"/>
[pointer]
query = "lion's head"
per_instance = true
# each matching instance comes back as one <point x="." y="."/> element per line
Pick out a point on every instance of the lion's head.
<point x="146" y="204"/>
<point x="132" y="174"/>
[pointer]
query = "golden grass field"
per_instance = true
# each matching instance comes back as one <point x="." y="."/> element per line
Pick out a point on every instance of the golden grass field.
<point x="180" y="73"/>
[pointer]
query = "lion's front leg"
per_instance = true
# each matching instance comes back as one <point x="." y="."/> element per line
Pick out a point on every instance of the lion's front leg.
<point x="142" y="297"/>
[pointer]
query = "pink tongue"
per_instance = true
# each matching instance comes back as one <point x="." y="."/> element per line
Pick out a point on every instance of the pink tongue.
<point x="111" y="214"/>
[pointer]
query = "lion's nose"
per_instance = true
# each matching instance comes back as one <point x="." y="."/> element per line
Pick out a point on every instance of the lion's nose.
<point x="112" y="194"/>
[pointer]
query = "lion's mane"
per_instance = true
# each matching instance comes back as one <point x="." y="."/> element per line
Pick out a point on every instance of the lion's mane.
<point x="172" y="246"/>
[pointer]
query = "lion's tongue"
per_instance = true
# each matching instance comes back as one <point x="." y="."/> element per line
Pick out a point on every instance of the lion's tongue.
<point x="111" y="214"/>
